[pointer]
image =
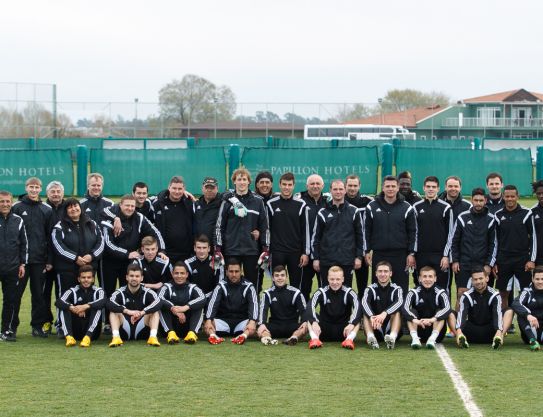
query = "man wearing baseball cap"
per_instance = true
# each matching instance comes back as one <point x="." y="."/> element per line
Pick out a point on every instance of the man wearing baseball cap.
<point x="207" y="208"/>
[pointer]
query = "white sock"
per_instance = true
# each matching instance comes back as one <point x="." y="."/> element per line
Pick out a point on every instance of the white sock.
<point x="414" y="335"/>
<point x="245" y="336"/>
<point x="153" y="332"/>
<point x="312" y="333"/>
<point x="433" y="336"/>
<point x="370" y="335"/>
<point x="393" y="335"/>
<point x="351" y="335"/>
<point x="213" y="335"/>
<point x="115" y="333"/>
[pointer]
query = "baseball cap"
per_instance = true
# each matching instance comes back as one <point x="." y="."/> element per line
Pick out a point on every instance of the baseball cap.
<point x="210" y="181"/>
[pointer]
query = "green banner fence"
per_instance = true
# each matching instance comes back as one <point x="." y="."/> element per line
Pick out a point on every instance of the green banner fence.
<point x="16" y="166"/>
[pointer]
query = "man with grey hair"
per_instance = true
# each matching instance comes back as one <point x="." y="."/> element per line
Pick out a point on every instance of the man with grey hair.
<point x="55" y="199"/>
<point x="314" y="201"/>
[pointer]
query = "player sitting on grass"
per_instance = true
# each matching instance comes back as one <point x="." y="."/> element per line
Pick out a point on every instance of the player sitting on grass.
<point x="182" y="307"/>
<point x="425" y="308"/>
<point x="285" y="305"/>
<point x="529" y="308"/>
<point x="156" y="269"/>
<point x="480" y="315"/>
<point x="233" y="307"/>
<point x="134" y="310"/>
<point x="381" y="304"/>
<point x="81" y="309"/>
<point x="339" y="317"/>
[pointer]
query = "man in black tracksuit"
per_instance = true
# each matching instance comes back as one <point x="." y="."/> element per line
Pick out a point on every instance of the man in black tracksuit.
<point x="405" y="184"/>
<point x="121" y="250"/>
<point x="480" y="315"/>
<point x="529" y="308"/>
<point x="391" y="232"/>
<point x="426" y="308"/>
<point x="381" y="305"/>
<point x="453" y="196"/>
<point x="242" y="227"/>
<point x="473" y="242"/>
<point x="93" y="202"/>
<point x="494" y="199"/>
<point x="13" y="257"/>
<point x="289" y="230"/>
<point x="314" y="201"/>
<point x="73" y="240"/>
<point x="37" y="218"/>
<point x="338" y="237"/>
<point x="174" y="218"/>
<point x="339" y="314"/>
<point x="156" y="270"/>
<point x="182" y="307"/>
<point x="55" y="200"/>
<point x="134" y="310"/>
<point x="233" y="307"/>
<point x="537" y="212"/>
<point x="360" y="201"/>
<point x="282" y="311"/>
<point x="517" y="244"/>
<point x="81" y="309"/>
<point x="201" y="273"/>
<point x="435" y="224"/>
<point x="206" y="208"/>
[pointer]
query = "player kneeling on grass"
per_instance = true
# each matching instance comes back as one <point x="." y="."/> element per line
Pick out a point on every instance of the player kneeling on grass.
<point x="480" y="314"/>
<point x="381" y="304"/>
<point x="339" y="316"/>
<point x="425" y="308"/>
<point x="80" y="309"/>
<point x="233" y="307"/>
<point x="134" y="310"/>
<point x="182" y="307"/>
<point x="529" y="308"/>
<point x="285" y="305"/>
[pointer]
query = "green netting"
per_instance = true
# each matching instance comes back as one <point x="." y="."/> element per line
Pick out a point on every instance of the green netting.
<point x="214" y="142"/>
<point x="22" y="143"/>
<point x="515" y="165"/>
<point x="16" y="166"/>
<point x="121" y="168"/>
<point x="328" y="163"/>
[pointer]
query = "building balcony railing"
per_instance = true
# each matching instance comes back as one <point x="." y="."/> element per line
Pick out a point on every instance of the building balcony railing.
<point x="498" y="122"/>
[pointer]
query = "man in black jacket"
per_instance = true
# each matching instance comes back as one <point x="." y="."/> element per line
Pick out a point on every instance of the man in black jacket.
<point x="81" y="308"/>
<point x="529" y="308"/>
<point x="174" y="218"/>
<point x="517" y="244"/>
<point x="281" y="310"/>
<point x="390" y="232"/>
<point x="242" y="228"/>
<point x="338" y="236"/>
<point x="314" y="201"/>
<point x="494" y="185"/>
<point x="233" y="308"/>
<point x="93" y="202"/>
<point x="405" y="184"/>
<point x="37" y="218"/>
<point x="182" y="307"/>
<point x="201" y="272"/>
<point x="360" y="201"/>
<point x="435" y="225"/>
<point x="134" y="311"/>
<point x="473" y="242"/>
<point x="339" y="314"/>
<point x="426" y="308"/>
<point x="13" y="257"/>
<point x="289" y="230"/>
<point x="480" y="317"/>
<point x="381" y="304"/>
<point x="207" y="208"/>
<point x="537" y="211"/>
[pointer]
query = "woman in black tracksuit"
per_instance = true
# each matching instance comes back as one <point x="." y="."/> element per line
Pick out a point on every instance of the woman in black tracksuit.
<point x="77" y="241"/>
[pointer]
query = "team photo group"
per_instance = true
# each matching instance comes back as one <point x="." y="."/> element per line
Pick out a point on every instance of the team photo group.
<point x="177" y="268"/>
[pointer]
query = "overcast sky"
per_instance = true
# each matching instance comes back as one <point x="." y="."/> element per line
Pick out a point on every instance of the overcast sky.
<point x="273" y="51"/>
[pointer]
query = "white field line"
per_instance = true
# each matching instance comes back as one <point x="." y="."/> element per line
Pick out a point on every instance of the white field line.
<point x="459" y="383"/>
